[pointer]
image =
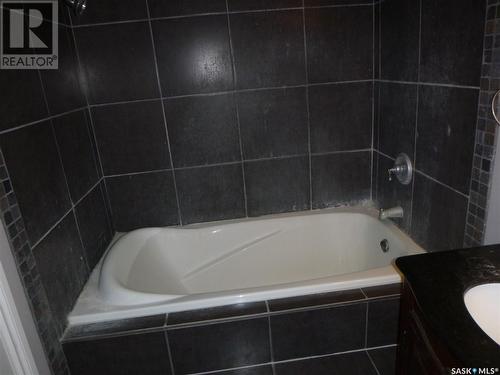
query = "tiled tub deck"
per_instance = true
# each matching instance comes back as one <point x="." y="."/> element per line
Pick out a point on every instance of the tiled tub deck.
<point x="347" y="332"/>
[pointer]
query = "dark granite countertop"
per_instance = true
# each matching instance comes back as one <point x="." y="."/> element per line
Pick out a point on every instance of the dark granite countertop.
<point x="439" y="281"/>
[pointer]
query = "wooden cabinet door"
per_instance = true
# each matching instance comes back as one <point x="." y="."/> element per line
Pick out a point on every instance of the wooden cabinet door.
<point x="416" y="350"/>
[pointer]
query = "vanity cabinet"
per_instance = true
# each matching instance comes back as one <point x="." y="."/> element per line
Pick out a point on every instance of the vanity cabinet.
<point x="419" y="351"/>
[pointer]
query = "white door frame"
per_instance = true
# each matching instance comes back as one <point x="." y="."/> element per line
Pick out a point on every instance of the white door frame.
<point x="12" y="334"/>
<point x="18" y="334"/>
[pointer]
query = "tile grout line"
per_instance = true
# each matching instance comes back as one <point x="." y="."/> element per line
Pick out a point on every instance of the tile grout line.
<point x="232" y="369"/>
<point x="73" y="209"/>
<point x="237" y="162"/>
<point x="132" y="101"/>
<point x="88" y="192"/>
<point x="169" y="351"/>
<point x="378" y="140"/>
<point x="157" y="71"/>
<point x="103" y="192"/>
<point x="37" y="122"/>
<point x="372" y="362"/>
<point x="219" y="13"/>
<point x="89" y="106"/>
<point x="441" y="183"/>
<point x="293" y="310"/>
<point x="294" y="360"/>
<point x="36" y="243"/>
<point x="236" y="102"/>
<point x="378" y="7"/>
<point x="234" y="91"/>
<point x="306" y="72"/>
<point x="373" y="101"/>
<point x="94" y="137"/>
<point x="89" y="270"/>
<point x="363" y="293"/>
<point x="415" y="128"/>
<point x="379" y="40"/>
<point x="109" y="207"/>
<point x="437" y="84"/>
<point x="385" y="155"/>
<point x="367" y="310"/>
<point x="138" y="173"/>
<point x="163" y="98"/>
<point x="270" y="333"/>
<point x="93" y="141"/>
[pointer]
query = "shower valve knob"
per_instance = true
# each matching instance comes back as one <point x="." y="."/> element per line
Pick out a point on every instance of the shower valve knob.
<point x="403" y="169"/>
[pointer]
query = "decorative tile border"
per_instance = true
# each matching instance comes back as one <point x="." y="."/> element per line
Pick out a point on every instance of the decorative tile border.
<point x="484" y="149"/>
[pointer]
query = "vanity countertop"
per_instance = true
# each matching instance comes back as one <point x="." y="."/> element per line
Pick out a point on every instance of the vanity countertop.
<point x="439" y="281"/>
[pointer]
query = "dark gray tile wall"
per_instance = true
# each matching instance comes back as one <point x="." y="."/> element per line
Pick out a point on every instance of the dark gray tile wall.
<point x="427" y="94"/>
<point x="53" y="200"/>
<point x="350" y="331"/>
<point x="279" y="185"/>
<point x="324" y="38"/>
<point x="349" y="107"/>
<point x="273" y="123"/>
<point x="351" y="363"/>
<point x="129" y="355"/>
<point x="317" y="332"/>
<point x="268" y="49"/>
<point x="132" y="207"/>
<point x="340" y="177"/>
<point x="108" y="54"/>
<point x="257" y="106"/>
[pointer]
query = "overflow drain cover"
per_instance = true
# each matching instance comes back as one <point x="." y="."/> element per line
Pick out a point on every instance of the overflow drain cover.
<point x="384" y="245"/>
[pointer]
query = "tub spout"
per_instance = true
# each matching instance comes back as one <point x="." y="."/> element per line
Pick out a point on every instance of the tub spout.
<point x="394" y="212"/>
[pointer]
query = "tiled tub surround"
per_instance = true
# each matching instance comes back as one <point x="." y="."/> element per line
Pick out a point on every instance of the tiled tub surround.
<point x="352" y="331"/>
<point x="226" y="108"/>
<point x="427" y="93"/>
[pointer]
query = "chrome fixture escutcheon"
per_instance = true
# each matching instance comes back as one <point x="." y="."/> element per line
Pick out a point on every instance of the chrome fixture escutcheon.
<point x="403" y="169"/>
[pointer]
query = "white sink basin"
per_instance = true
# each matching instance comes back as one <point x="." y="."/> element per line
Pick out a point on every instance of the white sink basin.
<point x="483" y="304"/>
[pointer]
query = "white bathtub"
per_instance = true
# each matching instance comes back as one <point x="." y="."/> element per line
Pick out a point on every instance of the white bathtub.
<point x="161" y="270"/>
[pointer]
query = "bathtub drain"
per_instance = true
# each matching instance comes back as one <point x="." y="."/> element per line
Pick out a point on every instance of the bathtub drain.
<point x="384" y="245"/>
